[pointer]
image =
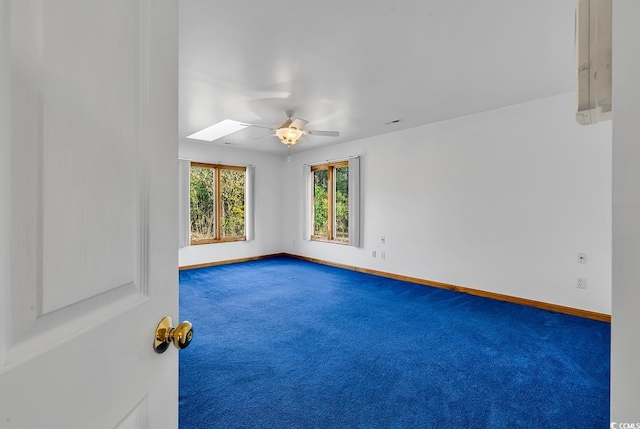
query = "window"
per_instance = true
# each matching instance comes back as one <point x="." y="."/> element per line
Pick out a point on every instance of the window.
<point x="330" y="202"/>
<point x="216" y="203"/>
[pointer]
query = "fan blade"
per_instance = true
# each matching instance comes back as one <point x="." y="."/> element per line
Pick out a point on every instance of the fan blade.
<point x="285" y="125"/>
<point x="321" y="133"/>
<point x="298" y="123"/>
<point x="260" y="126"/>
<point x="262" y="137"/>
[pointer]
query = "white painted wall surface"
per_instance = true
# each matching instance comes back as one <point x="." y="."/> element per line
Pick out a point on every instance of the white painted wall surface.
<point x="501" y="201"/>
<point x="6" y="134"/>
<point x="625" y="333"/>
<point x="269" y="198"/>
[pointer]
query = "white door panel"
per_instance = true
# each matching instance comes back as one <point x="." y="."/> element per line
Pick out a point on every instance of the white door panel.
<point x="88" y="248"/>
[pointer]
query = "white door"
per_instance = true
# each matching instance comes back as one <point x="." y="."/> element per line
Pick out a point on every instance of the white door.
<point x="88" y="191"/>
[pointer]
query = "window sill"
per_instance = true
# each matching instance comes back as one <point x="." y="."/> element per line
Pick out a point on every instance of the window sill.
<point x="215" y="241"/>
<point x="324" y="240"/>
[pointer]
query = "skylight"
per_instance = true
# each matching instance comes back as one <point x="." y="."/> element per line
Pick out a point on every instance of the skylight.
<point x="218" y="130"/>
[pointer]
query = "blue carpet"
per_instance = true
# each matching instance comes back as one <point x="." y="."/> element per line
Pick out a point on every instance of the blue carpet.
<point x="284" y="343"/>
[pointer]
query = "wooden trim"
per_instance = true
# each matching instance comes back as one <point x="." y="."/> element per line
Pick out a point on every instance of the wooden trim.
<point x="491" y="295"/>
<point x="223" y="166"/>
<point x="218" y="204"/>
<point x="196" y="242"/>
<point x="331" y="206"/>
<point x="337" y="164"/>
<point x="324" y="240"/>
<point x="229" y="261"/>
<point x="202" y="164"/>
<point x="477" y="292"/>
<point x="331" y="200"/>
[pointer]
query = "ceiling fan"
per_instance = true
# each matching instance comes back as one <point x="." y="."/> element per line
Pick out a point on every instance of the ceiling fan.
<point x="292" y="130"/>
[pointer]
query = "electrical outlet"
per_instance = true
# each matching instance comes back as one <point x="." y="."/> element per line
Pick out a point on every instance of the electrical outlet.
<point x="582" y="283"/>
<point x="382" y="240"/>
<point x="382" y="255"/>
<point x="582" y="258"/>
<point x="373" y="254"/>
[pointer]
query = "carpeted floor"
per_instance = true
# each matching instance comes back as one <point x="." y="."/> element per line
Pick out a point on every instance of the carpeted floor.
<point x="284" y="343"/>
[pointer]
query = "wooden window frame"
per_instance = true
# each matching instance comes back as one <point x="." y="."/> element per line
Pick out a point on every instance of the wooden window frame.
<point x="218" y="168"/>
<point x="330" y="167"/>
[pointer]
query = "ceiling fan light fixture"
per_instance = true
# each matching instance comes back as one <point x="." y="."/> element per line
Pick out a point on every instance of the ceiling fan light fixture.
<point x="289" y="135"/>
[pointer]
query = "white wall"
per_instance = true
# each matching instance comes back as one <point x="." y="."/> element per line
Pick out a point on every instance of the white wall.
<point x="269" y="187"/>
<point x="6" y="135"/>
<point x="501" y="201"/>
<point x="625" y="332"/>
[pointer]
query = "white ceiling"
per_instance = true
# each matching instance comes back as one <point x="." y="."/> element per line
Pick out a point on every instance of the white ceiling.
<point x="352" y="65"/>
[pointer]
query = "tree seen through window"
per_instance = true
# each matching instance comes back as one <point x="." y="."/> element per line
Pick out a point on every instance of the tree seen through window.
<point x="331" y="202"/>
<point x="217" y="203"/>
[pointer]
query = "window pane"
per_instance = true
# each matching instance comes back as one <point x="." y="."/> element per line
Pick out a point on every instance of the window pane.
<point x="320" y="203"/>
<point x="232" y="202"/>
<point x="202" y="203"/>
<point x="341" y="223"/>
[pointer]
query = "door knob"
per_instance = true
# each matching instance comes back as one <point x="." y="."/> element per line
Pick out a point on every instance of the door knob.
<point x="181" y="335"/>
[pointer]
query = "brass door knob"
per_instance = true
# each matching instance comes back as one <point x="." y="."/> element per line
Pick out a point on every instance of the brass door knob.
<point x="181" y="335"/>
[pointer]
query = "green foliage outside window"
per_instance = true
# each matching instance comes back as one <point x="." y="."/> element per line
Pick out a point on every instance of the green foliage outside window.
<point x="321" y="203"/>
<point x="334" y="225"/>
<point x="232" y="202"/>
<point x="202" y="202"/>
<point x="208" y="207"/>
<point x="342" y="204"/>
